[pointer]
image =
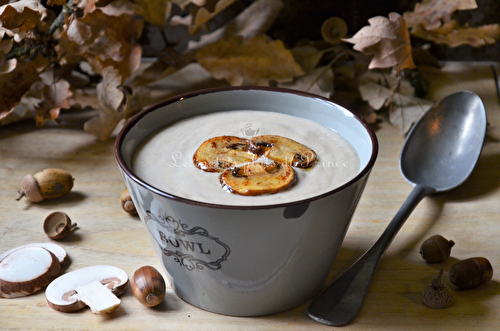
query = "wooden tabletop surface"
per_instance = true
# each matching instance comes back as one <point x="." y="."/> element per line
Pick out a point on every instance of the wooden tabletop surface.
<point x="469" y="215"/>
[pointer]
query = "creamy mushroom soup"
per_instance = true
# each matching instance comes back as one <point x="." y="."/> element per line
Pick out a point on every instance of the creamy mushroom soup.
<point x="165" y="159"/>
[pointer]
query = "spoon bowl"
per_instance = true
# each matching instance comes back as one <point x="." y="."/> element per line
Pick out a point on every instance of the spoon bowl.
<point x="438" y="155"/>
<point x="443" y="147"/>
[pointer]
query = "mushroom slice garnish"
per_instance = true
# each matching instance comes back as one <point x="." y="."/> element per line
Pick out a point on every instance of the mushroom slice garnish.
<point x="219" y="153"/>
<point x="284" y="150"/>
<point x="55" y="249"/>
<point x="96" y="286"/>
<point x="258" y="178"/>
<point x="27" y="270"/>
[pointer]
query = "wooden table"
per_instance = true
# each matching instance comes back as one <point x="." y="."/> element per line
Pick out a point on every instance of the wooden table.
<point x="470" y="215"/>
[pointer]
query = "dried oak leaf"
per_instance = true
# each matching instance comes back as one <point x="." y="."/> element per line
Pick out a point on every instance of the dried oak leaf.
<point x="307" y="56"/>
<point x="255" y="19"/>
<point x="319" y="81"/>
<point x="155" y="12"/>
<point x="55" y="97"/>
<point x="204" y="14"/>
<point x="23" y="15"/>
<point x="56" y="2"/>
<point x="6" y="66"/>
<point x="17" y="81"/>
<point x="388" y="40"/>
<point x="162" y="67"/>
<point x="116" y="102"/>
<point x="386" y="91"/>
<point x="183" y="3"/>
<point x="256" y="61"/>
<point x="432" y="13"/>
<point x="453" y="35"/>
<point x="103" y="40"/>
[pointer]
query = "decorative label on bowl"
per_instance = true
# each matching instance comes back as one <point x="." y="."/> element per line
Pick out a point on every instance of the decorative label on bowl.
<point x="193" y="248"/>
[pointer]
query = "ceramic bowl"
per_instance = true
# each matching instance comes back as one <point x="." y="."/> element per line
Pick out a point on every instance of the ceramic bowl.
<point x="246" y="260"/>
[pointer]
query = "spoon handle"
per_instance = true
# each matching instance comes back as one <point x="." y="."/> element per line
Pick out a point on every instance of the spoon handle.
<point x="340" y="303"/>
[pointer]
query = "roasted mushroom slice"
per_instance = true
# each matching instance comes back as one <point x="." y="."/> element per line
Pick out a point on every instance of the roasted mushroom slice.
<point x="284" y="150"/>
<point x="219" y="153"/>
<point x="258" y="178"/>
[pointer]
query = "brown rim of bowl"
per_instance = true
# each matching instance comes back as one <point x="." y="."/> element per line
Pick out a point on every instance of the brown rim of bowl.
<point x="123" y="132"/>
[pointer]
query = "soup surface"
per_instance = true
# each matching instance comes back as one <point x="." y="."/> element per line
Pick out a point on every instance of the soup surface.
<point x="165" y="159"/>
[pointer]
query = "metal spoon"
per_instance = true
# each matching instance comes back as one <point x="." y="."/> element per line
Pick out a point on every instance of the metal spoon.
<point x="438" y="155"/>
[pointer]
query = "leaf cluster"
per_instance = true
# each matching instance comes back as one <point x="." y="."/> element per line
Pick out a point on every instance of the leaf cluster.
<point x="86" y="54"/>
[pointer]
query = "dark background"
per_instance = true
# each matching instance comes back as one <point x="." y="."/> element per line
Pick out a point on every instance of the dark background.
<point x="301" y="19"/>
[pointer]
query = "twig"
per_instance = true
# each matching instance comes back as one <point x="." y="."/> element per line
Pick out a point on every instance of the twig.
<point x="59" y="21"/>
<point x="496" y="79"/>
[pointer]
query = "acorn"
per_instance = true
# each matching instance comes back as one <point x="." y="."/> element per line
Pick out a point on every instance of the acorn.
<point x="127" y="203"/>
<point x="148" y="286"/>
<point x="437" y="295"/>
<point x="436" y="249"/>
<point x="57" y="225"/>
<point x="470" y="273"/>
<point x="49" y="183"/>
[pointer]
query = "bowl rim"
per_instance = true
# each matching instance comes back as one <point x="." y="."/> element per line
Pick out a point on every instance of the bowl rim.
<point x="131" y="122"/>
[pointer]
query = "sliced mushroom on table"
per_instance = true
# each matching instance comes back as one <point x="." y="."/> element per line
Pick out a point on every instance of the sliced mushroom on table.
<point x="96" y="286"/>
<point x="27" y="269"/>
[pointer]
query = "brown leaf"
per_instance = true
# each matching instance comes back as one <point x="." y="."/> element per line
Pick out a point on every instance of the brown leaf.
<point x="120" y="7"/>
<point x="381" y="90"/>
<point x="256" y="19"/>
<point x="256" y="60"/>
<point x="6" y="66"/>
<point x="54" y="98"/>
<point x="319" y="81"/>
<point x="183" y="3"/>
<point x="56" y="2"/>
<point x="116" y="102"/>
<point x="407" y="110"/>
<point x="155" y="12"/>
<point x="204" y="15"/>
<point x="103" y="41"/>
<point x="15" y="83"/>
<point x="388" y="40"/>
<point x="307" y="56"/>
<point x="453" y="35"/>
<point x="162" y="68"/>
<point x="24" y="15"/>
<point x="432" y="13"/>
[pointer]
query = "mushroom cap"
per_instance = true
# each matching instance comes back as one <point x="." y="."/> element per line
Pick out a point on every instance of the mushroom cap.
<point x="27" y="270"/>
<point x="62" y="294"/>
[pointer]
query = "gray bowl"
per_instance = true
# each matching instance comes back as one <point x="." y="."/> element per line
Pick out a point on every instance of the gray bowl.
<point x="246" y="260"/>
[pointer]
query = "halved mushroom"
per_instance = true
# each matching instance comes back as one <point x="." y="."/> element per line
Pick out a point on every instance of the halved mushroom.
<point x="219" y="153"/>
<point x="258" y="178"/>
<point x="284" y="150"/>
<point x="59" y="252"/>
<point x="26" y="270"/>
<point x="96" y="286"/>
